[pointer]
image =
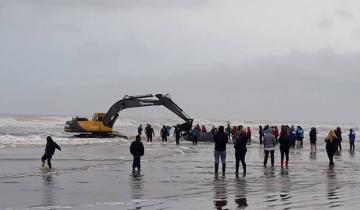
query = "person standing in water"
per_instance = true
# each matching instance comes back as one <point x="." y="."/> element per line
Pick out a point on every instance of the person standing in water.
<point x="140" y="129"/>
<point x="195" y="136"/>
<point x="149" y="133"/>
<point x="137" y="151"/>
<point x="248" y="134"/>
<point x="352" y="137"/>
<point x="285" y="144"/>
<point x="240" y="150"/>
<point x="177" y="134"/>
<point x="164" y="133"/>
<point x="261" y="134"/>
<point x="228" y="130"/>
<point x="276" y="133"/>
<point x="313" y="138"/>
<point x="331" y="146"/>
<point x="269" y="146"/>
<point x="221" y="138"/>
<point x="338" y="134"/>
<point x="49" y="151"/>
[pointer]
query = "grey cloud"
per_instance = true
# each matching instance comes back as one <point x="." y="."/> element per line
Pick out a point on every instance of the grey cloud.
<point x="326" y="23"/>
<point x="345" y="14"/>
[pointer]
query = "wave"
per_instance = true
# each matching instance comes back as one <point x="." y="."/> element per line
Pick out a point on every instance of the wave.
<point x="25" y="130"/>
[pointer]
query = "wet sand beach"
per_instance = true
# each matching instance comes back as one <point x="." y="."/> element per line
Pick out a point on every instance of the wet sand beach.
<point x="175" y="177"/>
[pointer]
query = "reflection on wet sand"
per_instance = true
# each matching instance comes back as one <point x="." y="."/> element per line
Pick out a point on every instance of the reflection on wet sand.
<point x="220" y="197"/>
<point x="48" y="185"/>
<point x="332" y="188"/>
<point x="240" y="193"/>
<point x="137" y="185"/>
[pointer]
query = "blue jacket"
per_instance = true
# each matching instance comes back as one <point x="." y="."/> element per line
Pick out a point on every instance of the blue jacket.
<point x="352" y="136"/>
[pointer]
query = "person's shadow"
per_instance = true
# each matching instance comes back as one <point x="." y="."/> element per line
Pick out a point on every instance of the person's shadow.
<point x="240" y="193"/>
<point x="48" y="185"/>
<point x="220" y="196"/>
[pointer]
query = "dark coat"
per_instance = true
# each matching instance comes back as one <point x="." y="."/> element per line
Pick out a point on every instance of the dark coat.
<point x="137" y="148"/>
<point x="240" y="143"/>
<point x="50" y="147"/>
<point x="221" y="139"/>
<point x="331" y="146"/>
<point x="312" y="135"/>
<point x="285" y="142"/>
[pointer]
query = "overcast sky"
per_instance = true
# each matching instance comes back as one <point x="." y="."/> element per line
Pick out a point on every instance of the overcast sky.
<point x="241" y="59"/>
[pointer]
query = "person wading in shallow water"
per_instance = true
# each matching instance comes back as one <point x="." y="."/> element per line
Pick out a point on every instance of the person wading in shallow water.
<point x="137" y="150"/>
<point x="331" y="146"/>
<point x="352" y="136"/>
<point x="338" y="134"/>
<point x="221" y="139"/>
<point x="49" y="151"/>
<point x="313" y="139"/>
<point x="284" y="141"/>
<point x="269" y="146"/>
<point x="177" y="134"/>
<point x="240" y="150"/>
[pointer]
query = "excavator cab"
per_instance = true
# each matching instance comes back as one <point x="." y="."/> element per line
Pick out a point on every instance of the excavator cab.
<point x="98" y="116"/>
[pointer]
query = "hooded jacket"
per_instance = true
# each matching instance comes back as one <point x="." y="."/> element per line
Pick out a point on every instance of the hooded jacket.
<point x="269" y="140"/>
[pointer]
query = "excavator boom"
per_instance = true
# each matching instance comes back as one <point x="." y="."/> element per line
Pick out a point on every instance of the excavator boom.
<point x="108" y="119"/>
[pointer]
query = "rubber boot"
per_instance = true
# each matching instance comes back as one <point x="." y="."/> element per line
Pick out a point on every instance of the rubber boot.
<point x="216" y="168"/>
<point x="244" y="168"/>
<point x="287" y="164"/>
<point x="282" y="164"/>
<point x="223" y="168"/>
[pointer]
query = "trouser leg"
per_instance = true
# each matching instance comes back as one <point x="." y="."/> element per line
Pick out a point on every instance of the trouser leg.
<point x="272" y="158"/>
<point x="237" y="159"/>
<point x="282" y="152"/>
<point x="216" y="156"/>
<point x="266" y="157"/>
<point x="49" y="161"/>
<point x="242" y="158"/>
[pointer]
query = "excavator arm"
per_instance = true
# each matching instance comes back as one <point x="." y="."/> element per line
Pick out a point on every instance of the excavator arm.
<point x="146" y="100"/>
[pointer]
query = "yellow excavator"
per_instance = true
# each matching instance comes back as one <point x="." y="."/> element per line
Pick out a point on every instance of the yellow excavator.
<point x="102" y="124"/>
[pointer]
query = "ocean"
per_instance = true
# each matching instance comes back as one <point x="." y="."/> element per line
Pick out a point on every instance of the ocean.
<point x="96" y="173"/>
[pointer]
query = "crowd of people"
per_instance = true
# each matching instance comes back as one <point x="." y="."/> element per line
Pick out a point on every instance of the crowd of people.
<point x="288" y="137"/>
<point x="269" y="136"/>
